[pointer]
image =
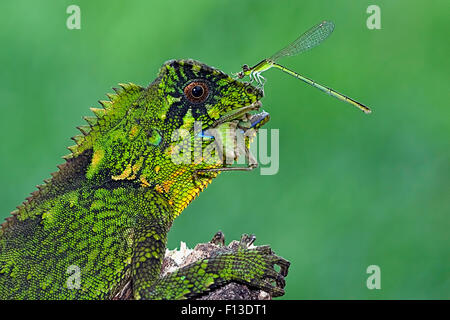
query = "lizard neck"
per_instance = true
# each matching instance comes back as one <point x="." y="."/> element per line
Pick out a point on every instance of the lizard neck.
<point x="180" y="187"/>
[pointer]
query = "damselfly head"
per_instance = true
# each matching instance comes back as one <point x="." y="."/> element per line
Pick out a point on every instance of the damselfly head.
<point x="241" y="74"/>
<point x="245" y="68"/>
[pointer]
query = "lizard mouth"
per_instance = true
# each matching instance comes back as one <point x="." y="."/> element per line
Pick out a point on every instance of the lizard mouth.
<point x="246" y="117"/>
<point x="243" y="122"/>
<point x="254" y="121"/>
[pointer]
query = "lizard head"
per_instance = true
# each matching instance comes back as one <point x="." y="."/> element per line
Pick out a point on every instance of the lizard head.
<point x="194" y="92"/>
<point x="141" y="133"/>
<point x="204" y="103"/>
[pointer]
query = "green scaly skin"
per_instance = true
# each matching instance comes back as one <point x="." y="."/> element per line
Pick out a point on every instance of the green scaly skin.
<point x="110" y="206"/>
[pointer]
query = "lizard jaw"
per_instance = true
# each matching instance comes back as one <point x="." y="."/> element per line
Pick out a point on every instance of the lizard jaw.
<point x="237" y="113"/>
<point x="253" y="120"/>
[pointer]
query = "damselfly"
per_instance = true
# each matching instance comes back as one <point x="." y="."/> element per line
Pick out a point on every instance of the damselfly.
<point x="308" y="40"/>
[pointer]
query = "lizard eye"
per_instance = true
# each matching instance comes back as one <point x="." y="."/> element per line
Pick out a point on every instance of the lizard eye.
<point x="196" y="92"/>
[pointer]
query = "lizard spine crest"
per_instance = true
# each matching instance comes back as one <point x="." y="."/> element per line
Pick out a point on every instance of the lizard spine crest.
<point x="106" y="117"/>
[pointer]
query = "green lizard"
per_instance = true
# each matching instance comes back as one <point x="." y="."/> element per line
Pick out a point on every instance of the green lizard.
<point x="107" y="211"/>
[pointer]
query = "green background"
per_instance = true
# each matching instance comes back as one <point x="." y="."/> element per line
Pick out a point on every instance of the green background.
<point x="353" y="190"/>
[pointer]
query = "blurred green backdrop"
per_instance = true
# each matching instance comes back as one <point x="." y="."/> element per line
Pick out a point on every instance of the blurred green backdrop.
<point x="352" y="190"/>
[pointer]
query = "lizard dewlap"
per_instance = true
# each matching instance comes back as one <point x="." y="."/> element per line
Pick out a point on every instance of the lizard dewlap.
<point x="101" y="221"/>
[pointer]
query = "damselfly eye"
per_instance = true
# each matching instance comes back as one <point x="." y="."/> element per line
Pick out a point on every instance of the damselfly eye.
<point x="196" y="92"/>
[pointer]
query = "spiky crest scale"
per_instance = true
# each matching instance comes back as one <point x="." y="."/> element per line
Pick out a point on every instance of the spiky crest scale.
<point x="106" y="117"/>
